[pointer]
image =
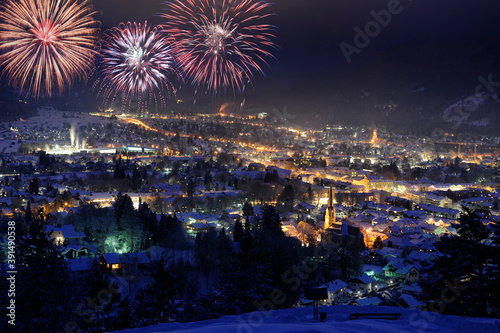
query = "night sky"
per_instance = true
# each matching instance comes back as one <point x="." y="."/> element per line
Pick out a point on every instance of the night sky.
<point x="310" y="31"/>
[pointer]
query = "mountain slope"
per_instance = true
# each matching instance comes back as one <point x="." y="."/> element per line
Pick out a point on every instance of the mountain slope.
<point x="410" y="85"/>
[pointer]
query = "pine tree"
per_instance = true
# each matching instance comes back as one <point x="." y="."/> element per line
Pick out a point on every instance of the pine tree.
<point x="163" y="289"/>
<point x="43" y="282"/>
<point x="238" y="233"/>
<point x="462" y="279"/>
<point x="147" y="221"/>
<point x="128" y="233"/>
<point x="288" y="196"/>
<point x="205" y="252"/>
<point x="28" y="217"/>
<point x="34" y="186"/>
<point x="377" y="244"/>
<point x="224" y="249"/>
<point x="174" y="236"/>
<point x="271" y="220"/>
<point x="247" y="209"/>
<point x="102" y="298"/>
<point x="191" y="187"/>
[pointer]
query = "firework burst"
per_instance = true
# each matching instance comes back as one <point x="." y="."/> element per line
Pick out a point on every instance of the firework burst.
<point x="136" y="62"/>
<point x="46" y="44"/>
<point x="221" y="44"/>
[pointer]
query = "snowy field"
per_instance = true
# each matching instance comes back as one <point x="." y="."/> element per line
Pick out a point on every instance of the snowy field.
<point x="300" y="320"/>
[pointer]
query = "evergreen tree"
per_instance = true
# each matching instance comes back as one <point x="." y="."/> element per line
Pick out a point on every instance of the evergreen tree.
<point x="271" y="220"/>
<point x="237" y="289"/>
<point x="238" y="233"/>
<point x="462" y="280"/>
<point x="173" y="235"/>
<point x="208" y="178"/>
<point x="247" y="209"/>
<point x="68" y="198"/>
<point x="147" y="220"/>
<point x="224" y="249"/>
<point x="102" y="297"/>
<point x="158" y="300"/>
<point x="58" y="203"/>
<point x="191" y="187"/>
<point x="43" y="281"/>
<point x="205" y="252"/>
<point x="34" y="186"/>
<point x="136" y="178"/>
<point x="28" y="217"/>
<point x="377" y="244"/>
<point x="119" y="170"/>
<point x="128" y="232"/>
<point x="288" y="196"/>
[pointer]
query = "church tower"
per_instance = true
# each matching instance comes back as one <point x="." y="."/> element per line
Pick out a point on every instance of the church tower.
<point x="374" y="137"/>
<point x="330" y="219"/>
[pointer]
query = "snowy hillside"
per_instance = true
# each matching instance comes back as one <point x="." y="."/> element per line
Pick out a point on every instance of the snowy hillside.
<point x="300" y="320"/>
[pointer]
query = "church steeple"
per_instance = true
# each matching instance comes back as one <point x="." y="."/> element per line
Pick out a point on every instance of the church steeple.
<point x="330" y="197"/>
<point x="330" y="210"/>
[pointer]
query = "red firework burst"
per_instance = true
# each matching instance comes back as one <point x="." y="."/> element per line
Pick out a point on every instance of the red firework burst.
<point x="220" y="44"/>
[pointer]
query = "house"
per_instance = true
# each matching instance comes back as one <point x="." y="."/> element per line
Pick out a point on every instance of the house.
<point x="111" y="260"/>
<point x="399" y="271"/>
<point x="133" y="262"/>
<point x="375" y="257"/>
<point x="413" y="289"/>
<point x="436" y="200"/>
<point x="408" y="301"/>
<point x="390" y="253"/>
<point x="336" y="290"/>
<point x="367" y="301"/>
<point x="421" y="256"/>
<point x="65" y="233"/>
<point x="102" y="198"/>
<point x="361" y="285"/>
<point x="398" y="243"/>
<point x="408" y="273"/>
<point x="75" y="251"/>
<point x="440" y="212"/>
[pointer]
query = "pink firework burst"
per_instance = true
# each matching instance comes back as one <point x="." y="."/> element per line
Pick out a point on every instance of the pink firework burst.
<point x="220" y="44"/>
<point x="136" y="62"/>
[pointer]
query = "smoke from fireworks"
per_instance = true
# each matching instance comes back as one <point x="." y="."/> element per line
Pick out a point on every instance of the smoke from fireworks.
<point x="136" y="63"/>
<point x="220" y="44"/>
<point x="46" y="44"/>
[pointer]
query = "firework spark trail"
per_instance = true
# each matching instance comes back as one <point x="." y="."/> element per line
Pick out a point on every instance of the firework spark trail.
<point x="46" y="44"/>
<point x="220" y="46"/>
<point x="136" y="62"/>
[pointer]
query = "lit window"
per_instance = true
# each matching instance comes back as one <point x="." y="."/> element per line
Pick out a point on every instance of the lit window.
<point x="59" y="240"/>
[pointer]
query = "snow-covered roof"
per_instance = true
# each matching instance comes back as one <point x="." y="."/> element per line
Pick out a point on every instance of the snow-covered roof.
<point x="410" y="301"/>
<point x="368" y="301"/>
<point x="363" y="278"/>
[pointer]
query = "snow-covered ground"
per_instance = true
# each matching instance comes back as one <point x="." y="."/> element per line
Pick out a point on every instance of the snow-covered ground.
<point x="300" y="320"/>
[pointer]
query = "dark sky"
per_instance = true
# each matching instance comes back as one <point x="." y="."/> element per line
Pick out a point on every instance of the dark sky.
<point x="310" y="31"/>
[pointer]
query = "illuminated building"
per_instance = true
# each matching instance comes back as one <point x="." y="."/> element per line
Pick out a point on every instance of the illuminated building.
<point x="330" y="218"/>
